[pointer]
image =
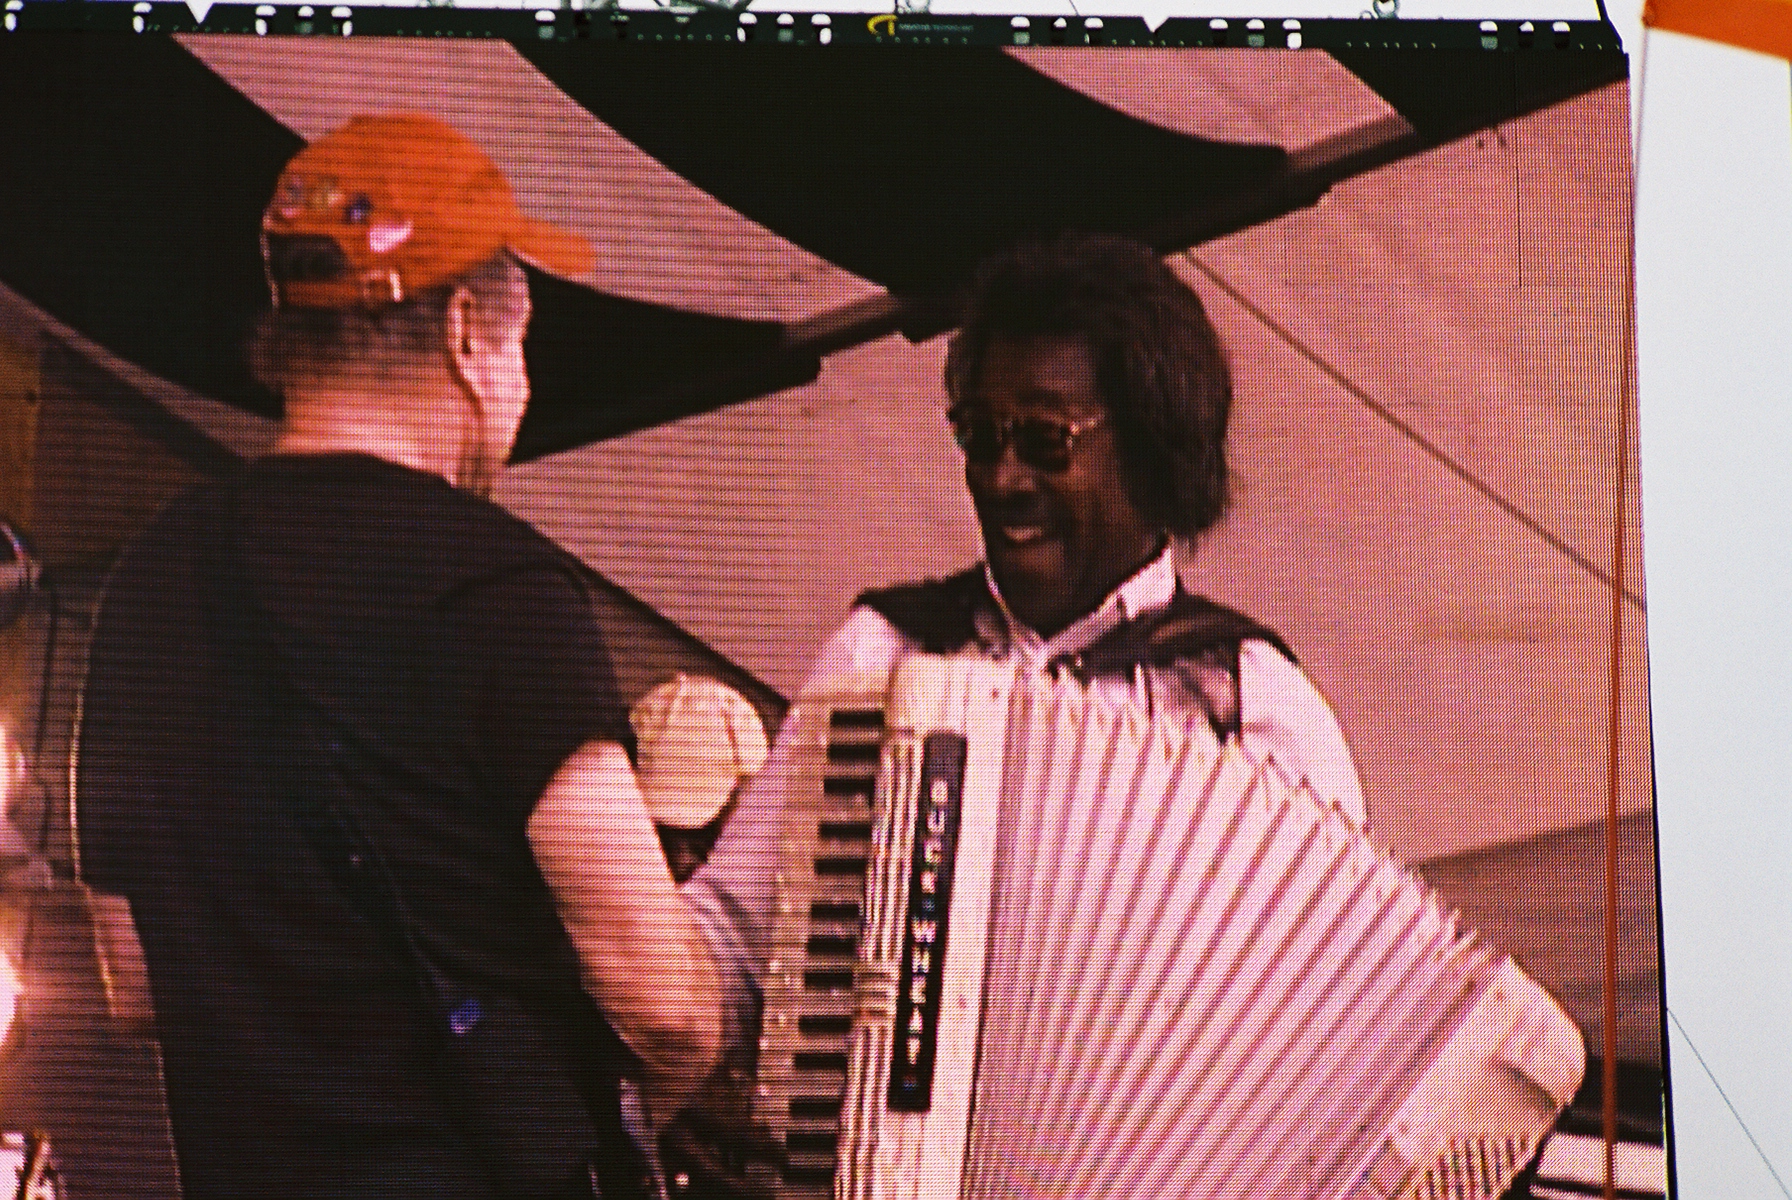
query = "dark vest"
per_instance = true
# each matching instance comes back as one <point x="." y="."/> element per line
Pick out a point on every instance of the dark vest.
<point x="1189" y="647"/>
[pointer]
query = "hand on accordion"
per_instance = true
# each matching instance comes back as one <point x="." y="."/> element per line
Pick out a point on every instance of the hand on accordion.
<point x="713" y="1149"/>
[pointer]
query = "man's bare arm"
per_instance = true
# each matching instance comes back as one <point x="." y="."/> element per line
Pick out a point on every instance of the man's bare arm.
<point x="643" y="958"/>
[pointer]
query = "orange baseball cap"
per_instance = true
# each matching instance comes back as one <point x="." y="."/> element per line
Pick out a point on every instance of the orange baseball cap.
<point x="412" y="203"/>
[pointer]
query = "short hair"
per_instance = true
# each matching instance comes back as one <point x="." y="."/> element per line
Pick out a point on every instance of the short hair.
<point x="1158" y="362"/>
<point x="290" y="343"/>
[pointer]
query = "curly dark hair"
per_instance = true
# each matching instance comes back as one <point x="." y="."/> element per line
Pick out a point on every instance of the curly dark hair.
<point x="1158" y="362"/>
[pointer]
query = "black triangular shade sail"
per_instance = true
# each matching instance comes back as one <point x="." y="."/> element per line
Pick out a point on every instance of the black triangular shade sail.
<point x="600" y="366"/>
<point x="903" y="166"/>
<point x="138" y="177"/>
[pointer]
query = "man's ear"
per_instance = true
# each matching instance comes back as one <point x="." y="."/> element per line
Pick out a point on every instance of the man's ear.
<point x="460" y="333"/>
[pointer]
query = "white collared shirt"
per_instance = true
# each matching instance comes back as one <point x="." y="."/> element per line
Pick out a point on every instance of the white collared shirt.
<point x="1152" y="587"/>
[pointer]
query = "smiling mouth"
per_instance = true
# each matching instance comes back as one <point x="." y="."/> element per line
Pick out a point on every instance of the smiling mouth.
<point x="1023" y="535"/>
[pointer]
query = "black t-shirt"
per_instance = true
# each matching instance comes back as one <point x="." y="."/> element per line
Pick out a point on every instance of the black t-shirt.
<point x="447" y="651"/>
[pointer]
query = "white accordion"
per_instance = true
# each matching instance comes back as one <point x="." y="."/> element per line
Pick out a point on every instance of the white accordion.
<point x="1030" y="944"/>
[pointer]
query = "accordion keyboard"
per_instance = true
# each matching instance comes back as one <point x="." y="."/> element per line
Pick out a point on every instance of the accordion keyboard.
<point x="810" y="979"/>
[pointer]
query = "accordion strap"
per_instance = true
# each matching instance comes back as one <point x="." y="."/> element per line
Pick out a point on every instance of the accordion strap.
<point x="1190" y="644"/>
<point x="1188" y="627"/>
<point x="940" y="615"/>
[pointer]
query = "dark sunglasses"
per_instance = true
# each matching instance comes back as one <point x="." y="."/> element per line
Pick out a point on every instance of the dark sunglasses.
<point x="1039" y="442"/>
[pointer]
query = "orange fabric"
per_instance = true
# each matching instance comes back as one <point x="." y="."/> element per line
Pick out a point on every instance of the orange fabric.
<point x="411" y="203"/>
<point x="1764" y="25"/>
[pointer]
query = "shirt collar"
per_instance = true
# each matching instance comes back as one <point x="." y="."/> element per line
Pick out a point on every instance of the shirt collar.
<point x="1152" y="586"/>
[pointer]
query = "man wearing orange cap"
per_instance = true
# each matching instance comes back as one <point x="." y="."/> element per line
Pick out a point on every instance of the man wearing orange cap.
<point x="353" y="750"/>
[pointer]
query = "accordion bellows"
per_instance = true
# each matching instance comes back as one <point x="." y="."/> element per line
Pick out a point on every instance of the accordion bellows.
<point x="1083" y="953"/>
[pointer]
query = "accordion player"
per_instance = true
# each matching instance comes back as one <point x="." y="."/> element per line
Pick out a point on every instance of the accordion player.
<point x="1055" y="884"/>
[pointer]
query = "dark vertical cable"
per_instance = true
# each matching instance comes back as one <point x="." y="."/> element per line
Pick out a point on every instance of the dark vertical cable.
<point x="1608" y="1083"/>
<point x="1608" y="1086"/>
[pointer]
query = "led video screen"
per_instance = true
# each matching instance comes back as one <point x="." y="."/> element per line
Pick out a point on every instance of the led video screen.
<point x="779" y="386"/>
